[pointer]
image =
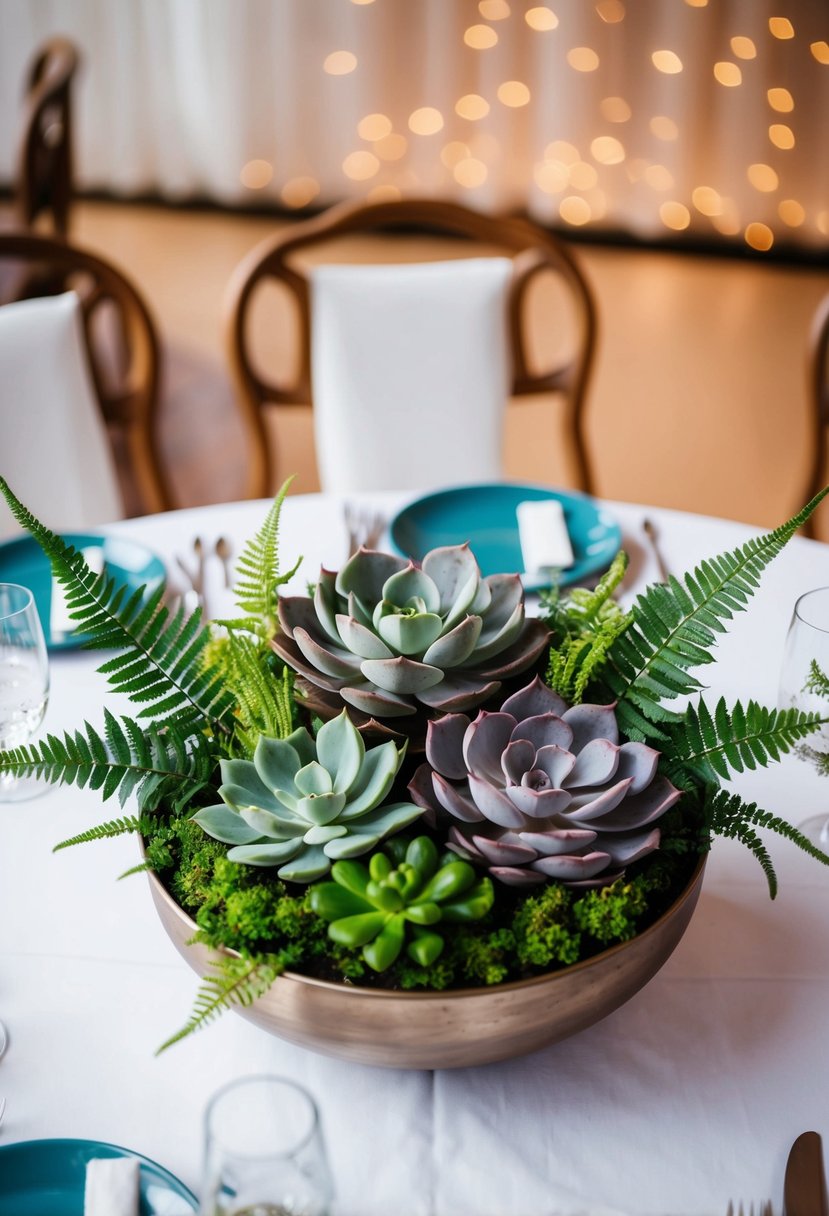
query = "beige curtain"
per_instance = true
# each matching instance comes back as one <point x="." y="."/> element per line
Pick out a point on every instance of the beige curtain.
<point x="647" y="117"/>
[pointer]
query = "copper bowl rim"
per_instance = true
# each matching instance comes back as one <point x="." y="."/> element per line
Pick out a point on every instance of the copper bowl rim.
<point x="357" y="990"/>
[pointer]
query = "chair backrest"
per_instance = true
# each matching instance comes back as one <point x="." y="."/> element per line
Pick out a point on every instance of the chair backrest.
<point x="125" y="387"/>
<point x="533" y="251"/>
<point x="818" y="385"/>
<point x="45" y="179"/>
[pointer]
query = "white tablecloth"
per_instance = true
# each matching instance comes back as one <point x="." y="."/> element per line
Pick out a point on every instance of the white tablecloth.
<point x="688" y="1095"/>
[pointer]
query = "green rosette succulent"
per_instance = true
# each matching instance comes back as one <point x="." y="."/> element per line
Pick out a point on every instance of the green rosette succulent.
<point x="390" y="638"/>
<point x="379" y="905"/>
<point x="301" y="803"/>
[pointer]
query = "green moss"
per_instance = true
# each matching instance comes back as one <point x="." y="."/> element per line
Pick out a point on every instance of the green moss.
<point x="544" y="934"/>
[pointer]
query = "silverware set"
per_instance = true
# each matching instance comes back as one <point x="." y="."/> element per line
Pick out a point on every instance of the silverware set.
<point x="364" y="526"/>
<point x="203" y="552"/>
<point x="804" y="1187"/>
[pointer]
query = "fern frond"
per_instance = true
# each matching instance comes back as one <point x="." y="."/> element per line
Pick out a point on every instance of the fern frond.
<point x="103" y="831"/>
<point x="729" y="816"/>
<point x="676" y="624"/>
<point x="236" y="982"/>
<point x="258" y="577"/>
<point x="143" y="867"/>
<point x="732" y="740"/>
<point x="817" y="681"/>
<point x="159" y="661"/>
<point x="158" y="764"/>
<point x="580" y="659"/>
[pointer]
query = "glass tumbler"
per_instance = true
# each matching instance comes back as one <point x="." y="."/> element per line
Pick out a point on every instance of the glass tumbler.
<point x="24" y="682"/>
<point x="807" y="642"/>
<point x="264" y="1151"/>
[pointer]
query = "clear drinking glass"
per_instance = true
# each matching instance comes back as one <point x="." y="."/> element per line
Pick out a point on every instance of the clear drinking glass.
<point x="24" y="682"/>
<point x="807" y="642"/>
<point x="264" y="1151"/>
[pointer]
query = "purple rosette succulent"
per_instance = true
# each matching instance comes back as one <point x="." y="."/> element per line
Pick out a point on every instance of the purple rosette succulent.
<point x="541" y="790"/>
<point x="391" y="639"/>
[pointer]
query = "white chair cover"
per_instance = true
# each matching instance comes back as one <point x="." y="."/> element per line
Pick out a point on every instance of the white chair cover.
<point x="54" y="450"/>
<point x="410" y="370"/>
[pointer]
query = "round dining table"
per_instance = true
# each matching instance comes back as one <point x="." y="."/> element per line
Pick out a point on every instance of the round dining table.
<point x="686" y="1097"/>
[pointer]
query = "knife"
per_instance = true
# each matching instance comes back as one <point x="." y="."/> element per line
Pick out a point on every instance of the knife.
<point x="804" y="1189"/>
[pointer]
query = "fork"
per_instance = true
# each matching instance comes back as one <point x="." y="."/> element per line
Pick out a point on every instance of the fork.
<point x="764" y="1208"/>
<point x="364" y="526"/>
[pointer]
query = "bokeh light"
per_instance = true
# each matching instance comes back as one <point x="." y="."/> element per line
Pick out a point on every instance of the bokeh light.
<point x="582" y="176"/>
<point x="470" y="172"/>
<point x="658" y="177"/>
<point x="667" y="61"/>
<point x="743" y="48"/>
<point x="391" y="147"/>
<point x="494" y="10"/>
<point x="583" y="59"/>
<point x="781" y="27"/>
<point x="339" y="63"/>
<point x="426" y="121"/>
<point x="299" y="191"/>
<point x="374" y="126"/>
<point x="663" y="127"/>
<point x="614" y="109"/>
<point x="513" y="93"/>
<point x="791" y="212"/>
<point x="780" y="100"/>
<point x="541" y="18"/>
<point x="728" y="74"/>
<point x="820" y="51"/>
<point x="706" y="200"/>
<point x="781" y="135"/>
<point x="763" y="177"/>
<point x="256" y="174"/>
<point x="575" y="210"/>
<point x="611" y="11"/>
<point x="759" y="236"/>
<point x="675" y="215"/>
<point x="472" y="106"/>
<point x="480" y="37"/>
<point x="360" y="166"/>
<point x="607" y="150"/>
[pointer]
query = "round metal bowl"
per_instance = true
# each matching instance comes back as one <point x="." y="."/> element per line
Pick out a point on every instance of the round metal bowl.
<point x="450" y="1029"/>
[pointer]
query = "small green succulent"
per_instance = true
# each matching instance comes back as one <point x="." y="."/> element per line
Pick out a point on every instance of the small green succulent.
<point x="373" y="906"/>
<point x="302" y="803"/>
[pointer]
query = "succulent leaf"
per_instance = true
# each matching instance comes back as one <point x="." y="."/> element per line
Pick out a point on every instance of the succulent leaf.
<point x="301" y="804"/>
<point x="378" y="901"/>
<point x="391" y="639"/>
<point x="546" y="791"/>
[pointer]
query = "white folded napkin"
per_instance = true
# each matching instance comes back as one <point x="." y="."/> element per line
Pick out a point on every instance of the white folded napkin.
<point x="60" y="622"/>
<point x="112" y="1187"/>
<point x="542" y="532"/>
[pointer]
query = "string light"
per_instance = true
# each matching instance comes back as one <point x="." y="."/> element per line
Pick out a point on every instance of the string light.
<point x="360" y="166"/>
<point x="426" y="121"/>
<point x="614" y="109"/>
<point x="583" y="59"/>
<point x="256" y="174"/>
<point x="513" y="93"/>
<point x="781" y="135"/>
<point x="667" y="61"/>
<point x="472" y="106"/>
<point x="339" y="63"/>
<point x="781" y="27"/>
<point x="541" y="18"/>
<point x="480" y="37"/>
<point x="728" y="74"/>
<point x="743" y="48"/>
<point x="759" y="236"/>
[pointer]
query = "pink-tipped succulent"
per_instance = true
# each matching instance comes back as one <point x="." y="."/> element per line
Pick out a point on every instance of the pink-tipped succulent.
<point x="541" y="790"/>
<point x="390" y="638"/>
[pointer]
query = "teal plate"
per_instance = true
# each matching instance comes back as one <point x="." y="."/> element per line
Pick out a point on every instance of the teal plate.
<point x="47" y="1178"/>
<point x="130" y="564"/>
<point x="485" y="516"/>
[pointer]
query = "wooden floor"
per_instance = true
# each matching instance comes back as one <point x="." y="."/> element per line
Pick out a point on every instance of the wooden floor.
<point x="699" y="398"/>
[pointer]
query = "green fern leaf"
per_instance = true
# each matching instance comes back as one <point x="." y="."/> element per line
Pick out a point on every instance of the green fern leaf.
<point x="236" y="982"/>
<point x="159" y="665"/>
<point x="675" y="625"/>
<point x="258" y="578"/>
<point x="103" y="831"/>
<point x="154" y="771"/>
<point x="730" y="741"/>
<point x="729" y="816"/>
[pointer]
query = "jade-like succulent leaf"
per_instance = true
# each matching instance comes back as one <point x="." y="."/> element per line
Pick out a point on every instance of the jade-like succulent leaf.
<point x="401" y="675"/>
<point x="453" y="648"/>
<point x="324" y="833"/>
<point x="374" y="781"/>
<point x="225" y="825"/>
<point x="331" y="660"/>
<point x="277" y="762"/>
<point x="314" y="779"/>
<point x="455" y="573"/>
<point x="425" y="949"/>
<point x="444" y="745"/>
<point x="271" y="853"/>
<point x="341" y="751"/>
<point x="241" y="775"/>
<point x="449" y="882"/>
<point x="310" y="863"/>
<point x="382" y="952"/>
<point x="332" y="901"/>
<point x="366" y="574"/>
<point x="408" y="635"/>
<point x="412" y="584"/>
<point x="320" y="809"/>
<point x="358" y="929"/>
<point x="266" y="823"/>
<point x="423" y="914"/>
<point x="361" y="641"/>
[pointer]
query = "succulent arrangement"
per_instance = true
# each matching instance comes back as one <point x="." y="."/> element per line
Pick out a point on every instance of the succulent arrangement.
<point x="402" y="779"/>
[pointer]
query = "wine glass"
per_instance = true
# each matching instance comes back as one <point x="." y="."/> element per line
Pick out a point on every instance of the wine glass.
<point x="807" y="643"/>
<point x="24" y="682"/>
<point x="264" y="1151"/>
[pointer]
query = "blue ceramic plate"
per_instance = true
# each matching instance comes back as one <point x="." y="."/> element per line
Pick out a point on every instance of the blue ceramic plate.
<point x="485" y="516"/>
<point x="47" y="1177"/>
<point x="128" y="563"/>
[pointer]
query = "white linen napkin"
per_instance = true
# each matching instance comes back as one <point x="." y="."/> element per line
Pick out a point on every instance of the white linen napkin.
<point x="112" y="1187"/>
<point x="542" y="532"/>
<point x="411" y="373"/>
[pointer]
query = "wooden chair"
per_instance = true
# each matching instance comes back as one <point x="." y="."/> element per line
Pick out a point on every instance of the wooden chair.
<point x="44" y="177"/>
<point x="532" y="249"/>
<point x="818" y="387"/>
<point x="128" y="394"/>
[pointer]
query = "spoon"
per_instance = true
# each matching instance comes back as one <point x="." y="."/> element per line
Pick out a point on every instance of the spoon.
<point x="224" y="550"/>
